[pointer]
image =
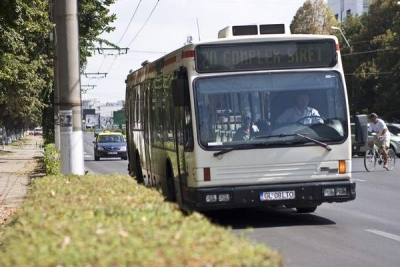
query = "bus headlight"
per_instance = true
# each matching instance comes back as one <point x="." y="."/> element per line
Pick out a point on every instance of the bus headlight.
<point x="224" y="197"/>
<point x="342" y="191"/>
<point x="329" y="192"/>
<point x="211" y="198"/>
<point x="336" y="191"/>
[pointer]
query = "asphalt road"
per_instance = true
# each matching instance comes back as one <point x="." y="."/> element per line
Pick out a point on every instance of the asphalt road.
<point x="105" y="165"/>
<point x="364" y="232"/>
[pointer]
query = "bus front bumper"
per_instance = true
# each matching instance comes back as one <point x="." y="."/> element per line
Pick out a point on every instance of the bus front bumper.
<point x="290" y="195"/>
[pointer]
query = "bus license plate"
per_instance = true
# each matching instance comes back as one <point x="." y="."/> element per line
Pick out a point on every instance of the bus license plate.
<point x="280" y="195"/>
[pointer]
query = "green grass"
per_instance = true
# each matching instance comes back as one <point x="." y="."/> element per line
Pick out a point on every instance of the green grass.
<point x="110" y="220"/>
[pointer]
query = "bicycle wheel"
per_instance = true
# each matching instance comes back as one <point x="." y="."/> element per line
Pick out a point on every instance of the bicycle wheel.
<point x="370" y="160"/>
<point x="391" y="159"/>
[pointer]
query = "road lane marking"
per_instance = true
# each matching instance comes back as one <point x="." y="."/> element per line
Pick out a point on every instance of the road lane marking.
<point x="359" y="180"/>
<point x="384" y="234"/>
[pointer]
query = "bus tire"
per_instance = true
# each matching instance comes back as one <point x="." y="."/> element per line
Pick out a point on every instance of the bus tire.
<point x="138" y="171"/>
<point x="171" y="192"/>
<point x="306" y="209"/>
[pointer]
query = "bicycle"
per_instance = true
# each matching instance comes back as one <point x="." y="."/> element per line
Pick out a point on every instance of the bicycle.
<point x="374" y="155"/>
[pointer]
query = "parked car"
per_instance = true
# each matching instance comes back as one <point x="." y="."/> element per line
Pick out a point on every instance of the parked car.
<point x="394" y="130"/>
<point x="110" y="145"/>
<point x="38" y="131"/>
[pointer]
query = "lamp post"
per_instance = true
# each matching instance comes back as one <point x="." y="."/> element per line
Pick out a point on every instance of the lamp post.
<point x="344" y="37"/>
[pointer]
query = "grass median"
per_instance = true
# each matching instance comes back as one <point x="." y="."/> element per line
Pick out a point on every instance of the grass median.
<point x="110" y="220"/>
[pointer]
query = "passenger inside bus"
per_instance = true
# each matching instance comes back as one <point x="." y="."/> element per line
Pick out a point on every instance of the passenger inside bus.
<point x="246" y="130"/>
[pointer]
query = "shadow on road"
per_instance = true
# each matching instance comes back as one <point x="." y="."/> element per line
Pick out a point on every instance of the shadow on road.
<point x="265" y="217"/>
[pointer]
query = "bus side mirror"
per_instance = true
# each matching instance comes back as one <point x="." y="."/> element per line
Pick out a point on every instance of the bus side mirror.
<point x="180" y="92"/>
<point x="361" y="129"/>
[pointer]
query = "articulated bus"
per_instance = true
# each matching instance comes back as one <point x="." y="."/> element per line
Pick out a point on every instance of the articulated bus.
<point x="204" y="122"/>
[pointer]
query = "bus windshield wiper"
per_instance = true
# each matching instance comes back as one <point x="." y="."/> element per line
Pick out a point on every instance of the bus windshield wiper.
<point x="324" y="145"/>
<point x="238" y="147"/>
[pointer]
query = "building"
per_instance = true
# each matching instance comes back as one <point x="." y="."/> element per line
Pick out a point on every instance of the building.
<point x="104" y="112"/>
<point x="90" y="103"/>
<point x="343" y="8"/>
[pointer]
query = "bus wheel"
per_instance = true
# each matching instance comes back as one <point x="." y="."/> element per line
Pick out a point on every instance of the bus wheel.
<point x="171" y="193"/>
<point x="306" y="209"/>
<point x="138" y="171"/>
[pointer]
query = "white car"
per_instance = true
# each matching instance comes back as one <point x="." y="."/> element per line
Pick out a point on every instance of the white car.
<point x="38" y="131"/>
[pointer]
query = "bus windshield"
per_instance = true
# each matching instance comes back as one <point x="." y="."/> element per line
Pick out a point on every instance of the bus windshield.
<point x="271" y="109"/>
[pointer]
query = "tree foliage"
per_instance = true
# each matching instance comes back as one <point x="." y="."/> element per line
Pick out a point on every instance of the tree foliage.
<point x="26" y="57"/>
<point x="25" y="62"/>
<point x="94" y="19"/>
<point x="374" y="61"/>
<point x="314" y="17"/>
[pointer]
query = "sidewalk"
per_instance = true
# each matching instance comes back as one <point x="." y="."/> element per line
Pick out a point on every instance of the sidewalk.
<point x="16" y="163"/>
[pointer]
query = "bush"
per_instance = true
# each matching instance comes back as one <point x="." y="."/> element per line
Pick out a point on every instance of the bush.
<point x="110" y="220"/>
<point x="51" y="159"/>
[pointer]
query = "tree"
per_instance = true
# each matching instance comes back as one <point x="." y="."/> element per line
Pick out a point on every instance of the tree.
<point x="26" y="63"/>
<point x="376" y="56"/>
<point x="314" y="17"/>
<point x="26" y="57"/>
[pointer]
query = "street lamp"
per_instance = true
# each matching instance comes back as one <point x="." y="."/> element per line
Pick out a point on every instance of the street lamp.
<point x="344" y="37"/>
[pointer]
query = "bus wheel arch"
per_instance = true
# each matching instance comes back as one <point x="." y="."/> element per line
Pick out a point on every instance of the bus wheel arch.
<point x="170" y="183"/>
<point x="138" y="169"/>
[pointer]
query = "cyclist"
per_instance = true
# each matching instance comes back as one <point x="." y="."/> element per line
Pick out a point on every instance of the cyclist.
<point x="382" y="139"/>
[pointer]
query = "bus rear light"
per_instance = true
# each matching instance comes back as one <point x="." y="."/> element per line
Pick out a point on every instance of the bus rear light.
<point x="207" y="175"/>
<point x="342" y="167"/>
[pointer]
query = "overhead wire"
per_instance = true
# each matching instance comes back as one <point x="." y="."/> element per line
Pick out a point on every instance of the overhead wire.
<point x="134" y="38"/>
<point x="151" y="13"/>
<point x="137" y="7"/>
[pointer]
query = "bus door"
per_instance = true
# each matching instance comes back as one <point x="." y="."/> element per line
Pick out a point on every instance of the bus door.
<point x="147" y="132"/>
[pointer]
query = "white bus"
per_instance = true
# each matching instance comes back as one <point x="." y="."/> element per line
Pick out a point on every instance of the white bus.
<point x="204" y="122"/>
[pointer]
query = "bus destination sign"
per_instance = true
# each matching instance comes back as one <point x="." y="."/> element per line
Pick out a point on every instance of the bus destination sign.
<point x="266" y="55"/>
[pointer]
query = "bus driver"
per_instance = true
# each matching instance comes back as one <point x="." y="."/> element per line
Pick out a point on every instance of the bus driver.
<point x="300" y="110"/>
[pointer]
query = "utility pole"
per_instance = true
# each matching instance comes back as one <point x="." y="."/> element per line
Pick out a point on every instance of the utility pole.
<point x="56" y="94"/>
<point x="70" y="104"/>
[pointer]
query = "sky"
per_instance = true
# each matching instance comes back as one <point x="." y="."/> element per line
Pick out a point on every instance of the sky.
<point x="153" y="28"/>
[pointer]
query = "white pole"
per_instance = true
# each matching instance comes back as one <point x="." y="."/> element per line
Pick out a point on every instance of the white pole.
<point x="70" y="113"/>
